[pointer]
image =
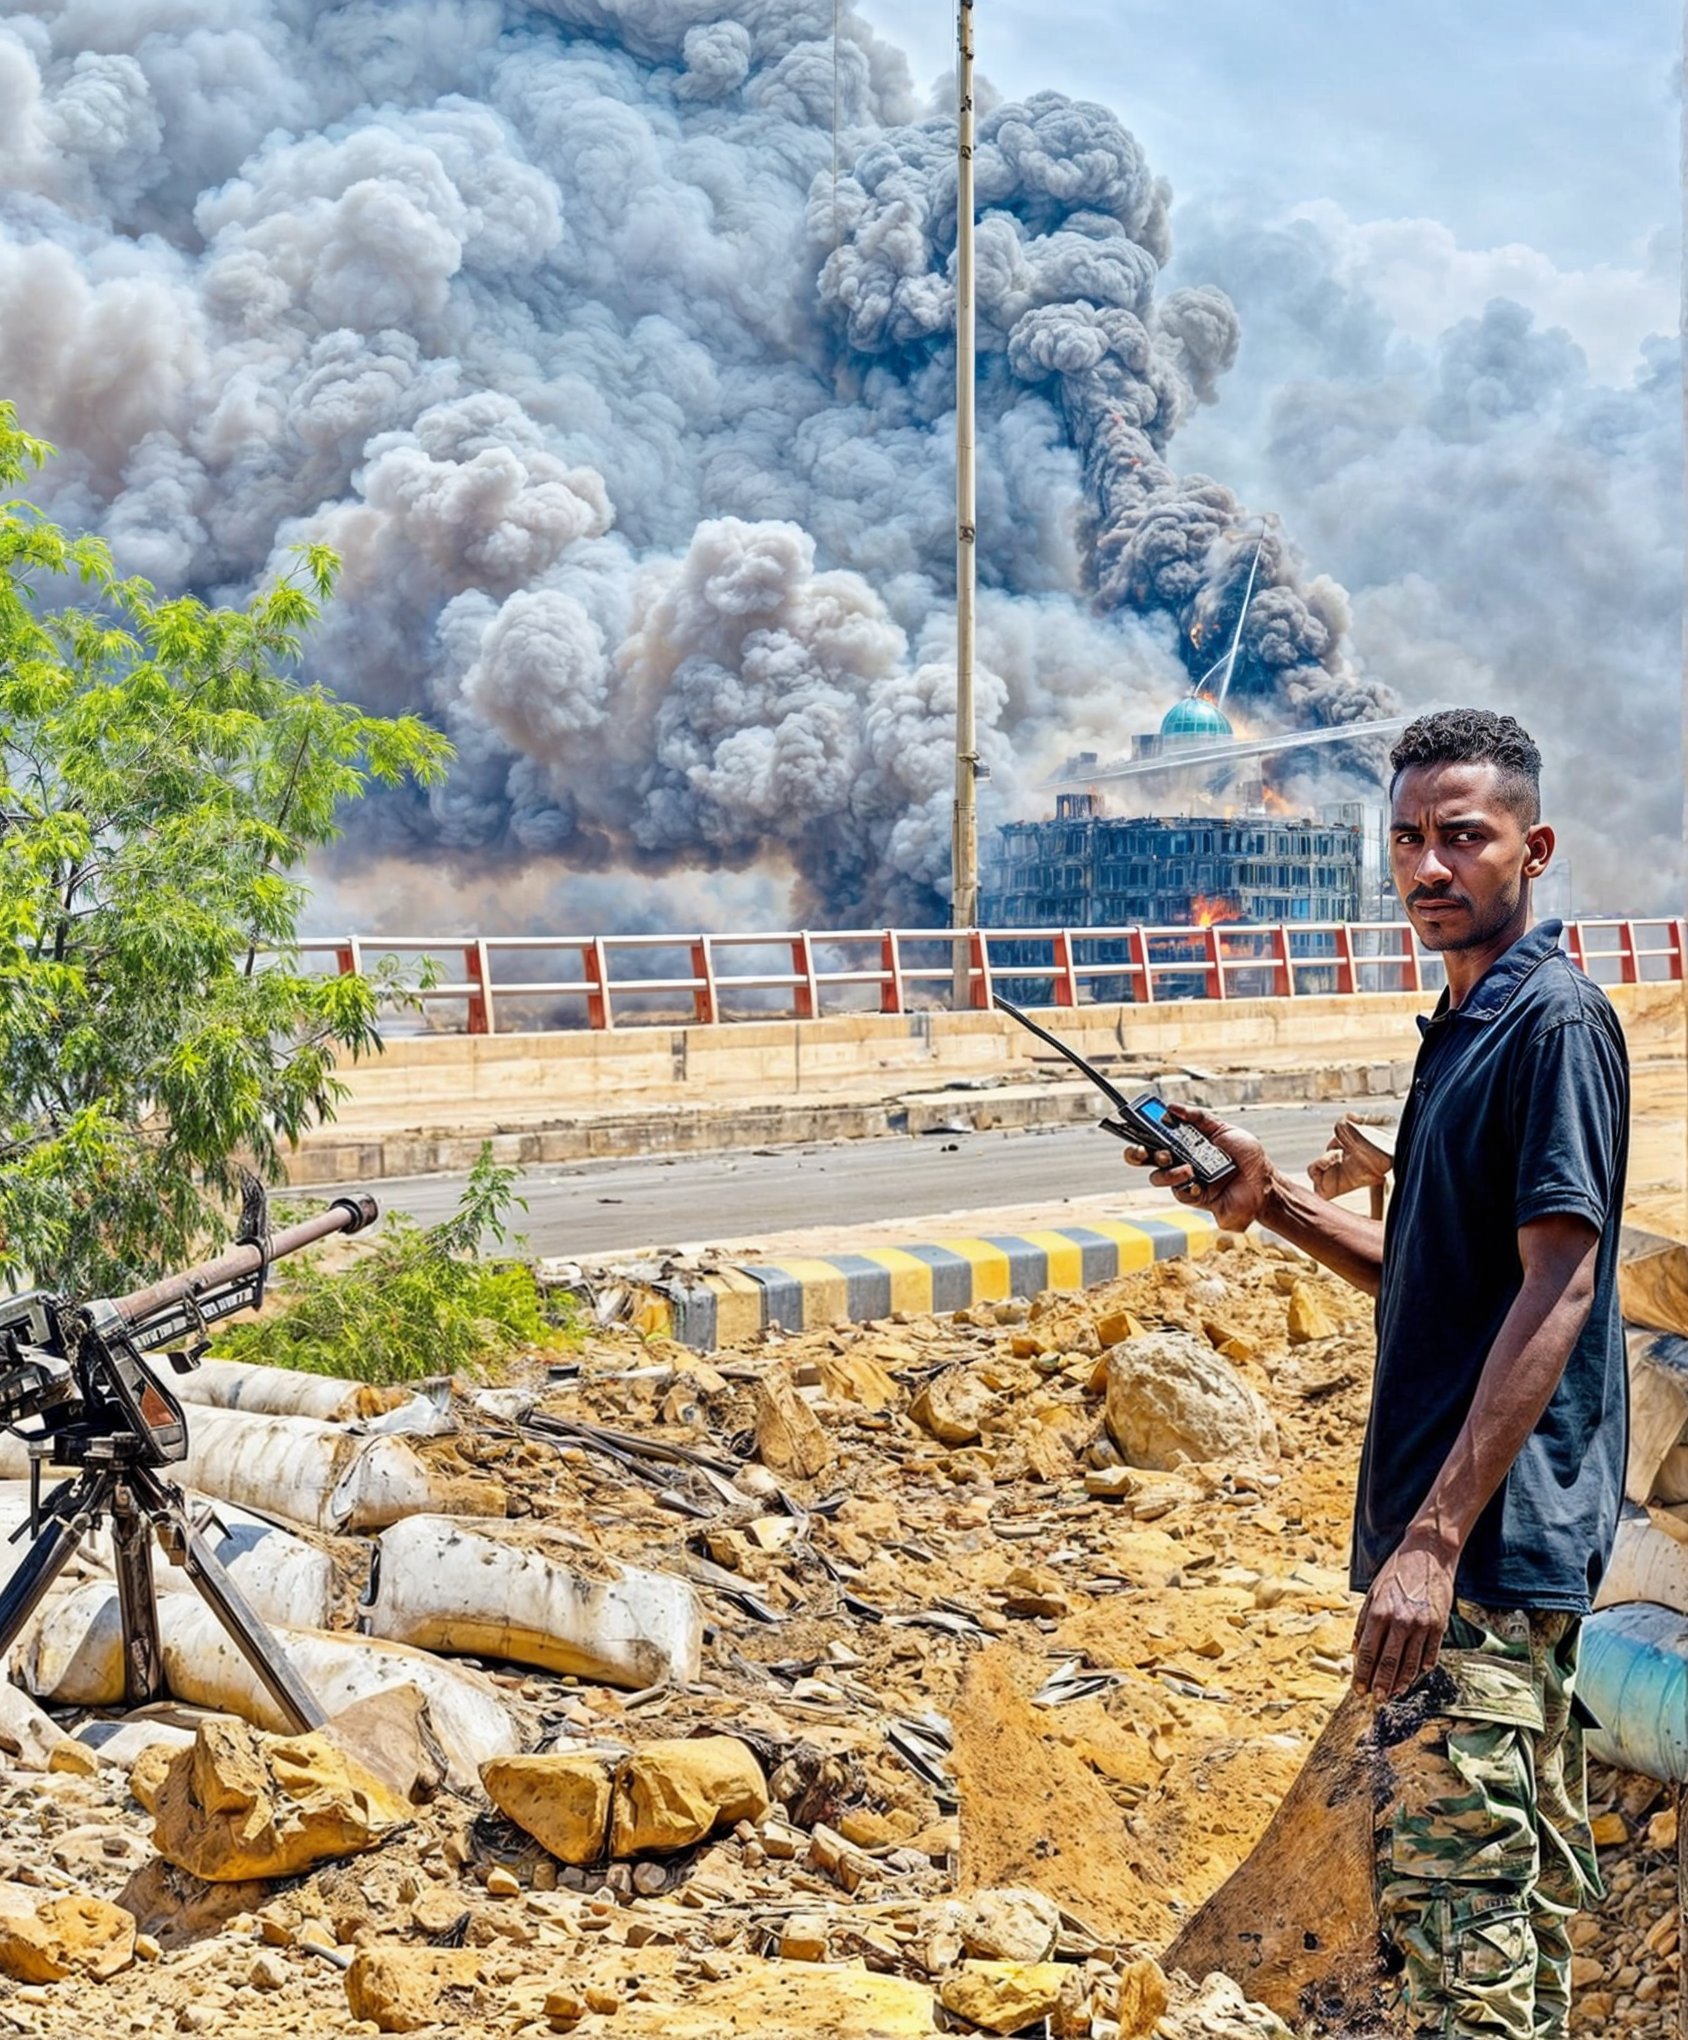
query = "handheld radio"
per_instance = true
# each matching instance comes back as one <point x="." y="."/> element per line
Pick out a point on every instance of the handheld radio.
<point x="1145" y="1120"/>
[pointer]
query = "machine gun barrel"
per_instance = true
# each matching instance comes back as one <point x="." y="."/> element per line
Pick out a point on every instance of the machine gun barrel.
<point x="345" y="1214"/>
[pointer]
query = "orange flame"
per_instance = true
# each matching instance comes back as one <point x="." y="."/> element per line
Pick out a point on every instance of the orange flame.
<point x="1204" y="913"/>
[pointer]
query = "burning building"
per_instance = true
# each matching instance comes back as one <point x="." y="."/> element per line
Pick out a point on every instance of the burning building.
<point x="1228" y="851"/>
<point x="1085" y="869"/>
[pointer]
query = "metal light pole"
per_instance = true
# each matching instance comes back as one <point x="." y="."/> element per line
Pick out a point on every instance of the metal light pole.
<point x="964" y="838"/>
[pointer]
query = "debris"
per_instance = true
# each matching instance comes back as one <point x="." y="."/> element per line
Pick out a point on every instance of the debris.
<point x="789" y="1436"/>
<point x="241" y="1804"/>
<point x="1172" y="1398"/>
<point x="1003" y="1997"/>
<point x="671" y="1794"/>
<point x="1307" y="1318"/>
<point x="954" y="1407"/>
<point x="43" y="1939"/>
<point x="399" y="1989"/>
<point x="1134" y="1678"/>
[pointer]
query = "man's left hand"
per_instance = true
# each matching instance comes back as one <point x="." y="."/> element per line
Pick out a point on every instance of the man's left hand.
<point x="1398" y="1637"/>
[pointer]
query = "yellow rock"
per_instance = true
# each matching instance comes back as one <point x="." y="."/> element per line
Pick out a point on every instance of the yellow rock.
<point x="859" y="1378"/>
<point x="1227" y="1340"/>
<point x="953" y="1407"/>
<point x="73" y="1757"/>
<point x="1115" y="1325"/>
<point x="787" y="2001"/>
<point x="671" y="1794"/>
<point x="1609" y="1830"/>
<point x="789" y="1436"/>
<point x="563" y="1801"/>
<point x="1307" y="1319"/>
<point x="869" y="1829"/>
<point x="73" y="1934"/>
<point x="241" y="1804"/>
<point x="1142" y="1999"/>
<point x="400" y="1989"/>
<point x="151" y="1768"/>
<point x="1002" y="1997"/>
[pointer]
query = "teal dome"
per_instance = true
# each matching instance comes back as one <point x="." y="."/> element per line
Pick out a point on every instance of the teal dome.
<point x="1195" y="719"/>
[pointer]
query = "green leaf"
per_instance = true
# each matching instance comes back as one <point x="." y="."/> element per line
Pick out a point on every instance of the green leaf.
<point x="166" y="768"/>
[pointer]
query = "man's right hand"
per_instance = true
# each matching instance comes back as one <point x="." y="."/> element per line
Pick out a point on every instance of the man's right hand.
<point x="1234" y="1204"/>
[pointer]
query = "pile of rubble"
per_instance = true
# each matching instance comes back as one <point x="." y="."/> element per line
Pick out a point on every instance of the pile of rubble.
<point x="889" y="1679"/>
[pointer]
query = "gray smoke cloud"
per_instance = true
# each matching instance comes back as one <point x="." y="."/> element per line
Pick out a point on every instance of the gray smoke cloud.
<point x="628" y="402"/>
<point x="1509" y="525"/>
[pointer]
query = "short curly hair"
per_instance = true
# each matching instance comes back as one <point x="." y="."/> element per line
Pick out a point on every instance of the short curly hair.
<point x="1476" y="736"/>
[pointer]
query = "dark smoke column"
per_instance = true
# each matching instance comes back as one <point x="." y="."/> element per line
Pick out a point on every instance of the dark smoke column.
<point x="1073" y="235"/>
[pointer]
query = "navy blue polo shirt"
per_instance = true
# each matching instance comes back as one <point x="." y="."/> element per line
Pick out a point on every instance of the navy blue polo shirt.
<point x="1519" y="1111"/>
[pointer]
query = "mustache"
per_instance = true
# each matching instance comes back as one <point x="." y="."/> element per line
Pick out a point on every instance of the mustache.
<point x="1442" y="895"/>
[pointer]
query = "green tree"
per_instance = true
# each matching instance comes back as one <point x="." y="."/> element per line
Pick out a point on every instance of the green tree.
<point x="164" y="772"/>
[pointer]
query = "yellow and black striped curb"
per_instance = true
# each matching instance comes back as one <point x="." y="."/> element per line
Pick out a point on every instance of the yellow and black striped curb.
<point x="800" y="1293"/>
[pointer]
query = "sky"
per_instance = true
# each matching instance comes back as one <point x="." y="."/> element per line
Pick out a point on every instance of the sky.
<point x="1551" y="123"/>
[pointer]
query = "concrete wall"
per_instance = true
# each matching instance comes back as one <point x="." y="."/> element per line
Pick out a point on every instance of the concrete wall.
<point x="464" y="1079"/>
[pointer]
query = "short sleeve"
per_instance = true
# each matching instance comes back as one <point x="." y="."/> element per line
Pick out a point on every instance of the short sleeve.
<point x="1570" y="1105"/>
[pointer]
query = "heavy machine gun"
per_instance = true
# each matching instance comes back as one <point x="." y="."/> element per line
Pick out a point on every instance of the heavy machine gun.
<point x="77" y="1373"/>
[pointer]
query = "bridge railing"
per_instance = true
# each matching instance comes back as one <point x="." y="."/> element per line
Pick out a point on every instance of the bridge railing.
<point x="512" y="983"/>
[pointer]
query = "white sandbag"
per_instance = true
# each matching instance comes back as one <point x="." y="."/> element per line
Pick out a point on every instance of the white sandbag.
<point x="74" y="1658"/>
<point x="28" y="1739"/>
<point x="282" y="1392"/>
<point x="1648" y="1562"/>
<point x="1658" y="1410"/>
<point x="524" y="1592"/>
<point x="285" y="1579"/>
<point x="326" y="1475"/>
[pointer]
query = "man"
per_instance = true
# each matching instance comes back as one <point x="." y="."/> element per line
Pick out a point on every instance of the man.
<point x="1493" y="1461"/>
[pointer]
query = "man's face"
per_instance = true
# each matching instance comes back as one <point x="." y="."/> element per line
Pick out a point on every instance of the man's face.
<point x="1459" y="855"/>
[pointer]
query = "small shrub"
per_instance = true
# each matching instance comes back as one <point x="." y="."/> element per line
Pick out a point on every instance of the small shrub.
<point x="421" y="1300"/>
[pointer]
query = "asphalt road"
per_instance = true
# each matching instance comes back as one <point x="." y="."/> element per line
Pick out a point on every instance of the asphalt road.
<point x="579" y="1208"/>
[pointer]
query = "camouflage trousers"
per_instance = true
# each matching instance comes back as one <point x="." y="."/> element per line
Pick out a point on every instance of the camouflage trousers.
<point x="1487" y="1855"/>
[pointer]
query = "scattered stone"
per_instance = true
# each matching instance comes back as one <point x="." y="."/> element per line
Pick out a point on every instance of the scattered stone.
<point x="502" y="1883"/>
<point x="1115" y="1326"/>
<point x="1014" y="1924"/>
<point x="74" y="1934"/>
<point x="268" y="1972"/>
<point x="1172" y="1398"/>
<point x="1307" y="1318"/>
<point x="803" y="1938"/>
<point x="241" y="1804"/>
<point x="1002" y="1997"/>
<point x="1141" y="1999"/>
<point x="400" y="1989"/>
<point x="954" y="1407"/>
<point x="669" y="1795"/>
<point x="789" y="1436"/>
<point x="33" y="1741"/>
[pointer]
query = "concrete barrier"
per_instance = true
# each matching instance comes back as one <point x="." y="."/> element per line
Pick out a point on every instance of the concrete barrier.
<point x="732" y="1304"/>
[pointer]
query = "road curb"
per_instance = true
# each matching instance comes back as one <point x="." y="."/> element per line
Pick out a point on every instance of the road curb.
<point x="731" y="1304"/>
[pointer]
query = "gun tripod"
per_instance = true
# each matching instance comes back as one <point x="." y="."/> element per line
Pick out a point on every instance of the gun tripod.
<point x="79" y="1370"/>
<point x="140" y="1506"/>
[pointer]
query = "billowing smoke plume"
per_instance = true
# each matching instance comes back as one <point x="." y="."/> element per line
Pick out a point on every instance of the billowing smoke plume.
<point x="625" y="390"/>
<point x="1509" y="523"/>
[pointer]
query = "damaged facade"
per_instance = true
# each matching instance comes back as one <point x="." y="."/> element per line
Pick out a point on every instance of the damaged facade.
<point x="1083" y="869"/>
